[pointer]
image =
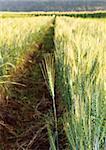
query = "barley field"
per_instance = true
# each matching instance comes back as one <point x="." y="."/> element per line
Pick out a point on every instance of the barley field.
<point x="80" y="59"/>
<point x="18" y="35"/>
<point x="52" y="83"/>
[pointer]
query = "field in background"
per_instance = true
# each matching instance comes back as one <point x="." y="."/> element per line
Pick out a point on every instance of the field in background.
<point x="83" y="14"/>
<point x="52" y="81"/>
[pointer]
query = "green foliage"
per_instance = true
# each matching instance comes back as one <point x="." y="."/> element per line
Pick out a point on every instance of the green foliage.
<point x="77" y="68"/>
<point x="48" y="70"/>
<point x="80" y="66"/>
<point x="51" y="139"/>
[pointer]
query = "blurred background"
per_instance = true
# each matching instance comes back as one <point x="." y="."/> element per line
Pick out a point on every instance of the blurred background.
<point x="52" y="5"/>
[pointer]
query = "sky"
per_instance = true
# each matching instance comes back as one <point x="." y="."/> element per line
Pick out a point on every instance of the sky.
<point x="51" y="0"/>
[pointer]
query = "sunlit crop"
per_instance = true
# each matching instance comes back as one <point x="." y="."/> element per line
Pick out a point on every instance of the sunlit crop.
<point x="17" y="37"/>
<point x="80" y="60"/>
<point x="74" y="71"/>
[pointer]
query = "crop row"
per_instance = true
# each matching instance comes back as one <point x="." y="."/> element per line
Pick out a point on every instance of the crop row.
<point x="80" y="48"/>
